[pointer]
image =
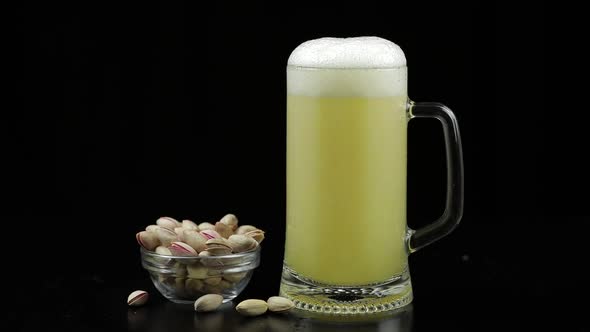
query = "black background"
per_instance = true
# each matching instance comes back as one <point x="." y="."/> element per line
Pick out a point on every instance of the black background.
<point x="127" y="113"/>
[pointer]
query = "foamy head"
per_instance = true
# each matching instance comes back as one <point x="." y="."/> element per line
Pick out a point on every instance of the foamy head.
<point x="360" y="66"/>
<point x="356" y="52"/>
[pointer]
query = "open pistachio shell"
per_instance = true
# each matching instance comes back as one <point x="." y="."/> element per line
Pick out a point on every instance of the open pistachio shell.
<point x="241" y="243"/>
<point x="194" y="239"/>
<point x="137" y="298"/>
<point x="148" y="240"/>
<point x="245" y="229"/>
<point x="166" y="236"/>
<point x="182" y="249"/>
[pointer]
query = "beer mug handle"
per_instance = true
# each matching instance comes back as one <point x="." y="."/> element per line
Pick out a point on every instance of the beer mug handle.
<point x="454" y="194"/>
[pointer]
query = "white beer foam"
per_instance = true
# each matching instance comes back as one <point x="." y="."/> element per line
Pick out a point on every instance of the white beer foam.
<point x="347" y="67"/>
<point x="356" y="52"/>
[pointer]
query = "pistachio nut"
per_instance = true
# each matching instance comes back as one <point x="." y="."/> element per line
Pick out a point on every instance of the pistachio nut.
<point x="222" y="229"/>
<point x="234" y="277"/>
<point x="137" y="298"/>
<point x="224" y="284"/>
<point x="179" y="233"/>
<point x="206" y="225"/>
<point x="230" y="220"/>
<point x="166" y="236"/>
<point x="166" y="279"/>
<point x="152" y="228"/>
<point x="212" y="281"/>
<point x="148" y="240"/>
<point x="179" y="285"/>
<point x="245" y="229"/>
<point x="197" y="271"/>
<point x="256" y="234"/>
<point x="193" y="285"/>
<point x="180" y="269"/>
<point x="168" y="222"/>
<point x="189" y="224"/>
<point x="210" y="262"/>
<point x="279" y="304"/>
<point x="163" y="251"/>
<point x="194" y="239"/>
<point x="213" y="289"/>
<point x="182" y="249"/>
<point x="252" y="307"/>
<point x="241" y="243"/>
<point x="218" y="246"/>
<point x="208" y="302"/>
<point x="210" y="234"/>
<point x="204" y="253"/>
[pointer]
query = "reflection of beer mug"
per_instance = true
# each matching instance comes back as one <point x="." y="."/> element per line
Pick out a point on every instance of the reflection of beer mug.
<point x="347" y="238"/>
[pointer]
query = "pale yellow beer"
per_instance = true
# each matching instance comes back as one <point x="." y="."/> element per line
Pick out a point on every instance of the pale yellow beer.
<point x="346" y="174"/>
<point x="348" y="242"/>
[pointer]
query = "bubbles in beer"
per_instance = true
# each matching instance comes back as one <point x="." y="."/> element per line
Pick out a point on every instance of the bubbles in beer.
<point x="357" y="52"/>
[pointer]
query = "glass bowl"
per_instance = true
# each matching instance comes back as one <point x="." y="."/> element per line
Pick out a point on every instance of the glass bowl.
<point x="183" y="279"/>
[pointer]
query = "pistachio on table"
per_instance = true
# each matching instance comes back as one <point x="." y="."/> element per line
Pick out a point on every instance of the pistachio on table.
<point x="279" y="304"/>
<point x="137" y="298"/>
<point x="252" y="307"/>
<point x="208" y="302"/>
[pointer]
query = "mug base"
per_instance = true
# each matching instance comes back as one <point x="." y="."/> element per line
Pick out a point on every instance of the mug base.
<point x="308" y="295"/>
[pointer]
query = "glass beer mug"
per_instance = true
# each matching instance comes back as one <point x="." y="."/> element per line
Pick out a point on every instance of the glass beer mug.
<point x="347" y="241"/>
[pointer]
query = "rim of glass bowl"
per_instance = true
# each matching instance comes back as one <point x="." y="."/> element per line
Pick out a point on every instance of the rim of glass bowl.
<point x="244" y="254"/>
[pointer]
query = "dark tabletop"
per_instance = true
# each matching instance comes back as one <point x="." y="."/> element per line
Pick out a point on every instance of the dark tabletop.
<point x="94" y="305"/>
<point x="479" y="286"/>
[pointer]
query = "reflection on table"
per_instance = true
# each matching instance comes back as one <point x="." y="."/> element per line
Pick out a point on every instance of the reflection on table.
<point x="169" y="317"/>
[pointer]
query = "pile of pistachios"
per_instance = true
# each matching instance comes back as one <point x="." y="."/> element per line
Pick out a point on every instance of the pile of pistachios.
<point x="186" y="238"/>
<point x="169" y="237"/>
